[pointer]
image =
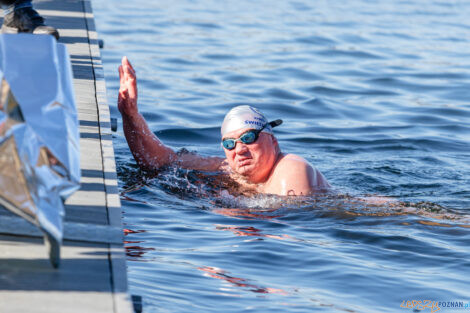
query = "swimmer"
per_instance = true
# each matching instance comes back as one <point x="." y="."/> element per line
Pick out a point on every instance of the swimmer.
<point x="253" y="156"/>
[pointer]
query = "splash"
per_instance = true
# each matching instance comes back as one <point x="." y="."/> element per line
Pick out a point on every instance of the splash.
<point x="218" y="193"/>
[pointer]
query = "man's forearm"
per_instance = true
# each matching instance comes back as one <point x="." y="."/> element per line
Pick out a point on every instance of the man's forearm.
<point x="149" y="152"/>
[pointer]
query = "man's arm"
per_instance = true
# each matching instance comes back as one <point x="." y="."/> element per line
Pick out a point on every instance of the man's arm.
<point x="149" y="152"/>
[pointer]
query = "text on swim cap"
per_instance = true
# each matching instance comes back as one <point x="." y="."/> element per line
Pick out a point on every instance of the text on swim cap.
<point x="254" y="123"/>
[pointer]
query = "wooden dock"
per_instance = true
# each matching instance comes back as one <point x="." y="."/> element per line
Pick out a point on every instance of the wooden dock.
<point x="92" y="276"/>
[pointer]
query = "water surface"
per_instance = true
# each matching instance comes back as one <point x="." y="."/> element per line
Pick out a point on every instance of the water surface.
<point x="373" y="94"/>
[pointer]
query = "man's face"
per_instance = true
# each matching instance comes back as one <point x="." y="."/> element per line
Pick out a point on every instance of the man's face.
<point x="253" y="161"/>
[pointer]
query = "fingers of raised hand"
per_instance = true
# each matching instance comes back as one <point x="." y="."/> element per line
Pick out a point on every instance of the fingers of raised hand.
<point x="127" y="98"/>
<point x="128" y="66"/>
<point x="129" y="72"/>
<point x="125" y="61"/>
<point x="122" y="79"/>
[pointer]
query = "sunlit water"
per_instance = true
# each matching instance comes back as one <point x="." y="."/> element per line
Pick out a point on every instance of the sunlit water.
<point x="373" y="93"/>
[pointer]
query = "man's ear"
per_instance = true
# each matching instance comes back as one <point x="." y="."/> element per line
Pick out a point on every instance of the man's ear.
<point x="274" y="140"/>
<point x="276" y="144"/>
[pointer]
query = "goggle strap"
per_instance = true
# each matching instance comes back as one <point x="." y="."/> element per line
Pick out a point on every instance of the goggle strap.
<point x="275" y="123"/>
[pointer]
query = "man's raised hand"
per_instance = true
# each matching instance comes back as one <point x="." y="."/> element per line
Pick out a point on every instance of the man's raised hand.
<point x="127" y="99"/>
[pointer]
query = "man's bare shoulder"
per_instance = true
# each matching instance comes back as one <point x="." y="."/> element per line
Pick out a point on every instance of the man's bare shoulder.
<point x="293" y="175"/>
<point x="291" y="166"/>
<point x="293" y="160"/>
<point x="289" y="176"/>
<point x="288" y="166"/>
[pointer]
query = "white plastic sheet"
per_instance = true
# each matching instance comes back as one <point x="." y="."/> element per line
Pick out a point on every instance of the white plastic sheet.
<point x="39" y="136"/>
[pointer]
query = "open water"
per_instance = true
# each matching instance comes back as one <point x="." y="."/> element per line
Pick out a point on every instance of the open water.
<point x="373" y="93"/>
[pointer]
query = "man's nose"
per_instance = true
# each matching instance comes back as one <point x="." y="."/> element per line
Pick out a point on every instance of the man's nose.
<point x="240" y="147"/>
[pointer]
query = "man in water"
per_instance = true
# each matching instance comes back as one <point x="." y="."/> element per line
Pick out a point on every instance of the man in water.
<point x="253" y="157"/>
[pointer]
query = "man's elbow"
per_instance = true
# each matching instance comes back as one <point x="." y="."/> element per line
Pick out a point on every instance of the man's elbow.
<point x="151" y="163"/>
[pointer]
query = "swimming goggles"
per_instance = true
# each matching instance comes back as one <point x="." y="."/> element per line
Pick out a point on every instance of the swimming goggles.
<point x="248" y="137"/>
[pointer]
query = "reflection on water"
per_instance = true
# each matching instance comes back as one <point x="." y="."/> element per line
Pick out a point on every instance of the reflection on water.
<point x="374" y="94"/>
<point x="134" y="252"/>
<point x="249" y="231"/>
<point x="238" y="282"/>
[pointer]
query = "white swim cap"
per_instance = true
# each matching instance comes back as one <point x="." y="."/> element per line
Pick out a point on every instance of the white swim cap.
<point x="244" y="116"/>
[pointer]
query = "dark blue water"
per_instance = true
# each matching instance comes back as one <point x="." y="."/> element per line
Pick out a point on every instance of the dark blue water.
<point x="373" y="93"/>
